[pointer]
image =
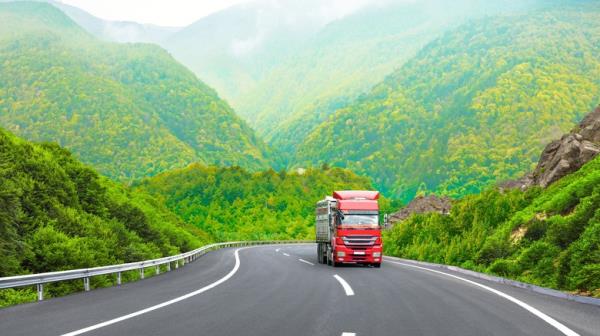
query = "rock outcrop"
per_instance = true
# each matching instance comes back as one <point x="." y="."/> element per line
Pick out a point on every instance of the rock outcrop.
<point x="422" y="204"/>
<point x="564" y="156"/>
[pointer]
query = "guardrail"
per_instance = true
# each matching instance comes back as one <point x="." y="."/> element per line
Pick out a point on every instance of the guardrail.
<point x="86" y="273"/>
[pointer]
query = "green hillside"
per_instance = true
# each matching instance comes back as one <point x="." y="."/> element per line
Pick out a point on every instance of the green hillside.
<point x="234" y="204"/>
<point x="546" y="237"/>
<point x="58" y="214"/>
<point x="473" y="107"/>
<point x="128" y="109"/>
<point x="346" y="58"/>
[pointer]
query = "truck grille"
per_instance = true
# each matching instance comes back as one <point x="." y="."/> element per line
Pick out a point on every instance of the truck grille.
<point x="359" y="240"/>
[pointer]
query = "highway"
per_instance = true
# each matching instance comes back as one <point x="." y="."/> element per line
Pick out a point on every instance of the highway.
<point x="282" y="290"/>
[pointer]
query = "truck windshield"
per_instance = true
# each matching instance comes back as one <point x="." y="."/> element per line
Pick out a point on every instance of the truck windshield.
<point x="362" y="220"/>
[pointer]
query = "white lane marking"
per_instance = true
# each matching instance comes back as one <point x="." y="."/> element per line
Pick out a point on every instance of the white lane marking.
<point x="161" y="305"/>
<point x="277" y="250"/>
<point x="348" y="334"/>
<point x="347" y="288"/>
<point x="306" y="262"/>
<point x="285" y="254"/>
<point x="561" y="327"/>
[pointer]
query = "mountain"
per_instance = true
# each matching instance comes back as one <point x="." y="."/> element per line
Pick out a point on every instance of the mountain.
<point x="107" y="30"/>
<point x="116" y="31"/>
<point x="233" y="48"/>
<point x="234" y="204"/>
<point x="285" y="66"/>
<point x="548" y="235"/>
<point x="473" y="107"/>
<point x="128" y="109"/>
<point x="58" y="214"/>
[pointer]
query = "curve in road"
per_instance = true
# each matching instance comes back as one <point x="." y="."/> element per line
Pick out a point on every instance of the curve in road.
<point x="261" y="291"/>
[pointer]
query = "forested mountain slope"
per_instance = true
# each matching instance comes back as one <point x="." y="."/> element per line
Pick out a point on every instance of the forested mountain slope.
<point x="130" y="110"/>
<point x="286" y="65"/>
<point x="234" y="204"/>
<point x="473" y="107"/>
<point x="346" y="58"/>
<point x="58" y="214"/>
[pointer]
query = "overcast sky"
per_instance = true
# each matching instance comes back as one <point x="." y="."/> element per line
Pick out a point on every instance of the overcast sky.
<point x="159" y="12"/>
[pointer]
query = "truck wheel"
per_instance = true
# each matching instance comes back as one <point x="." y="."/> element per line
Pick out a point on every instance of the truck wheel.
<point x="319" y="254"/>
<point x="378" y="265"/>
<point x="329" y="259"/>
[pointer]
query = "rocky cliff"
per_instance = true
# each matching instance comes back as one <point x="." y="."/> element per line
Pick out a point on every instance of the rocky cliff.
<point x="423" y="204"/>
<point x="564" y="156"/>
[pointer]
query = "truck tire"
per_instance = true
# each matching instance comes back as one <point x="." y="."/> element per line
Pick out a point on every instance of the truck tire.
<point x="329" y="257"/>
<point x="319" y="254"/>
<point x="378" y="265"/>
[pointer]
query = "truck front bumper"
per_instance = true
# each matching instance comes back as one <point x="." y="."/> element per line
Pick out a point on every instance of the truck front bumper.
<point x="347" y="254"/>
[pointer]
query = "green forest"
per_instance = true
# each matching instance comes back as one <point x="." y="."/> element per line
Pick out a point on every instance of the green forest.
<point x="58" y="214"/>
<point x="130" y="110"/>
<point x="472" y="108"/>
<point x="234" y="204"/>
<point x="545" y="237"/>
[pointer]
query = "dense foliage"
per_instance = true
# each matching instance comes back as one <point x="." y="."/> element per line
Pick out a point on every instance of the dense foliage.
<point x="128" y="109"/>
<point x="233" y="204"/>
<point x="474" y="107"/>
<point x="286" y="65"/>
<point x="546" y="237"/>
<point x="57" y="214"/>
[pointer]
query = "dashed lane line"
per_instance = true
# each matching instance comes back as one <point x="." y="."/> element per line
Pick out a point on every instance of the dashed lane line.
<point x="306" y="262"/>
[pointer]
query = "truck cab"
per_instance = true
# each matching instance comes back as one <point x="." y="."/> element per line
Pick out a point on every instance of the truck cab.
<point x="348" y="230"/>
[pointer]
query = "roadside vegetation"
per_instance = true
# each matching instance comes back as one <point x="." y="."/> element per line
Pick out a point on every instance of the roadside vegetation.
<point x="545" y="237"/>
<point x="58" y="214"/>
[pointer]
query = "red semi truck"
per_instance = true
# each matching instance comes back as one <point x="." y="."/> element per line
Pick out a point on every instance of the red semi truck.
<point x="347" y="228"/>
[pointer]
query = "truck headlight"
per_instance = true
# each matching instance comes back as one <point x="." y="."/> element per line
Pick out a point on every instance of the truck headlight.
<point x="341" y="254"/>
<point x="376" y="254"/>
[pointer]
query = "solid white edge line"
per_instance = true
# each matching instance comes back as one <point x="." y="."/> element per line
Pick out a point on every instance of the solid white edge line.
<point x="161" y="305"/>
<point x="306" y="262"/>
<point x="561" y="327"/>
<point x="348" y="334"/>
<point x="347" y="288"/>
<point x="285" y="254"/>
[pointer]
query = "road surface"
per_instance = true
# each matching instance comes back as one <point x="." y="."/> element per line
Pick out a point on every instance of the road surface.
<point x="282" y="290"/>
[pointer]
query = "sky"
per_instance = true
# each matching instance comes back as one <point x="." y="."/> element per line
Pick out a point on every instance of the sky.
<point x="175" y="13"/>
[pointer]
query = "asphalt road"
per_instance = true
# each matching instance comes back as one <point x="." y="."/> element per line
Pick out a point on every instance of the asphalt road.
<point x="282" y="290"/>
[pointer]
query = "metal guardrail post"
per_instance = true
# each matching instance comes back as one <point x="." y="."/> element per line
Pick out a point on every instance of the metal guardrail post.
<point x="40" y="292"/>
<point x="142" y="272"/>
<point x="169" y="266"/>
<point x="157" y="269"/>
<point x="119" y="278"/>
<point x="86" y="284"/>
